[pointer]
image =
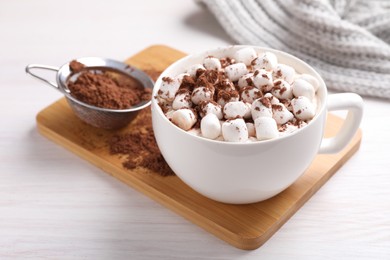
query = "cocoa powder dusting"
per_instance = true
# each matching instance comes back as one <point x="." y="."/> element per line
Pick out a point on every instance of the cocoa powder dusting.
<point x="187" y="83"/>
<point x="106" y="89"/>
<point x="139" y="144"/>
<point x="76" y="66"/>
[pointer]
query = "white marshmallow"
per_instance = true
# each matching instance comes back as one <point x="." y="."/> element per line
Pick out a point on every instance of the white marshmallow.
<point x="266" y="128"/>
<point x="282" y="89"/>
<point x="281" y="114"/>
<point x="227" y="96"/>
<point x="226" y="85"/>
<point x="182" y="100"/>
<point x="261" y="107"/>
<point x="194" y="68"/>
<point x="201" y="94"/>
<point x="181" y="76"/>
<point x="210" y="126"/>
<point x="263" y="80"/>
<point x="212" y="63"/>
<point x="274" y="100"/>
<point x="249" y="94"/>
<point x="169" y="113"/>
<point x="235" y="109"/>
<point x="312" y="80"/>
<point x="301" y="124"/>
<point x="248" y="114"/>
<point x="288" y="129"/>
<point x="235" y="71"/>
<point x="235" y="130"/>
<point x="301" y="87"/>
<point x="184" y="118"/>
<point x="303" y="108"/>
<point x="287" y="104"/>
<point x="168" y="88"/>
<point x="246" y="80"/>
<point x="266" y="60"/>
<point x="251" y="129"/>
<point x="163" y="103"/>
<point x="210" y="107"/>
<point x="245" y="55"/>
<point x="285" y="72"/>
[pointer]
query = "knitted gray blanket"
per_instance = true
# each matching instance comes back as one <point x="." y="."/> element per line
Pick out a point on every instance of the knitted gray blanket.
<point x="347" y="41"/>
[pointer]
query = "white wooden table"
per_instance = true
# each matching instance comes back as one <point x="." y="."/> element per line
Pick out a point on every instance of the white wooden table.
<point x="54" y="205"/>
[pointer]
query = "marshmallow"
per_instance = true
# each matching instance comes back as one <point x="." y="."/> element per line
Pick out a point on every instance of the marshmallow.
<point x="226" y="62"/>
<point x="303" y="88"/>
<point x="303" y="108"/>
<point x="266" y="128"/>
<point x="300" y="123"/>
<point x="193" y="70"/>
<point x="163" y="103"/>
<point x="282" y="89"/>
<point x="182" y="99"/>
<point x="281" y="114"/>
<point x="261" y="107"/>
<point x="249" y="94"/>
<point x="210" y="107"/>
<point x="312" y="80"/>
<point x="235" y="71"/>
<point x="210" y="126"/>
<point x="285" y="72"/>
<point x="251" y="129"/>
<point x="169" y="113"/>
<point x="168" y="88"/>
<point x="245" y="55"/>
<point x="246" y="80"/>
<point x="287" y="104"/>
<point x="235" y="109"/>
<point x="263" y="80"/>
<point x="266" y="60"/>
<point x="184" y="118"/>
<point x="287" y="128"/>
<point x="212" y="63"/>
<point x="201" y="94"/>
<point x="235" y="130"/>
<point x="248" y="114"/>
<point x="274" y="100"/>
<point x="225" y="84"/>
<point x="224" y="97"/>
<point x="181" y="76"/>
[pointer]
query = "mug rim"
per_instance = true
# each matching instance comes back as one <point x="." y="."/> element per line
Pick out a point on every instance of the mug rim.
<point x="313" y="72"/>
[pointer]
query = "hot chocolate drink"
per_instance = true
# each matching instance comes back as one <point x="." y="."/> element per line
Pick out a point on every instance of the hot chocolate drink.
<point x="247" y="96"/>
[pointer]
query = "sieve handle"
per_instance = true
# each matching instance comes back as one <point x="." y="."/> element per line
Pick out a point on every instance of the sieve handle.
<point x="43" y="67"/>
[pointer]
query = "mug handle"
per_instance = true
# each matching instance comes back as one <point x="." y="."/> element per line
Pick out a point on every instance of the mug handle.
<point x="343" y="101"/>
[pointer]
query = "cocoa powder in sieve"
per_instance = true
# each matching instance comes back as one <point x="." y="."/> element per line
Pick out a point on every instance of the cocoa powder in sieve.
<point x="106" y="89"/>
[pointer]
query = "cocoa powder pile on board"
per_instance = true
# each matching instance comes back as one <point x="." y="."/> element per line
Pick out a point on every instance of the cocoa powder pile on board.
<point x="139" y="144"/>
<point x="106" y="89"/>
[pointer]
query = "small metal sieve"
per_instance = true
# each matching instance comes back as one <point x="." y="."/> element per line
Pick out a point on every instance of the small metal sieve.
<point x="96" y="116"/>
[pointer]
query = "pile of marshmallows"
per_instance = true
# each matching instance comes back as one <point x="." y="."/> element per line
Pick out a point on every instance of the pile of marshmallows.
<point x="246" y="97"/>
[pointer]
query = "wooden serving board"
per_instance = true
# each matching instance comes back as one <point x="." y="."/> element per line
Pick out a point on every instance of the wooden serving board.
<point x="243" y="226"/>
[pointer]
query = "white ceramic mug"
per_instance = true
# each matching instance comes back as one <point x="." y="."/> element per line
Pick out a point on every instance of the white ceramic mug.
<point x="250" y="172"/>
